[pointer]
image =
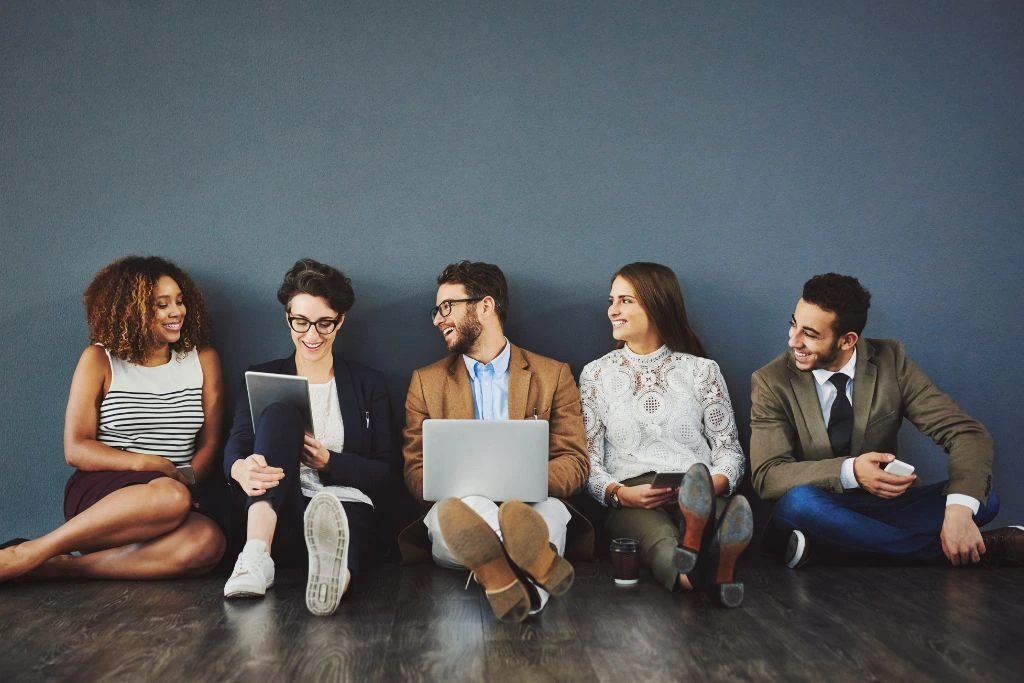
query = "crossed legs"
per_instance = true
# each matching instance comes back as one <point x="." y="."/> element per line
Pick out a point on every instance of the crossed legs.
<point x="657" y="532"/>
<point x="859" y="526"/>
<point x="554" y="512"/>
<point x="514" y="550"/>
<point x="144" y="531"/>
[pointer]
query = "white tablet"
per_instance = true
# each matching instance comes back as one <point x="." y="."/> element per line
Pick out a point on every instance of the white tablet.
<point x="267" y="388"/>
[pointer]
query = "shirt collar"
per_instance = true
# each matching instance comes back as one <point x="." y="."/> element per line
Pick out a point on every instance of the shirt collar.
<point x="647" y="358"/>
<point x="821" y="375"/>
<point x="500" y="362"/>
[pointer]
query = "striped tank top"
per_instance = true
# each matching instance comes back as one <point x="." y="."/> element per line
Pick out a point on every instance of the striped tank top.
<point x="154" y="410"/>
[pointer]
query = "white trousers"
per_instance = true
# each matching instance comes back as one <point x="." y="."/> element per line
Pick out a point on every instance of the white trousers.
<point x="554" y="512"/>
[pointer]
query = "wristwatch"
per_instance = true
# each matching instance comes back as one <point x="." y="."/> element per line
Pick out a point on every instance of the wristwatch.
<point x="613" y="497"/>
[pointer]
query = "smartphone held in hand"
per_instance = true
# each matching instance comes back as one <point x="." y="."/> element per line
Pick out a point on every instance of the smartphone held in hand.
<point x="667" y="480"/>
<point x="899" y="468"/>
<point x="189" y="473"/>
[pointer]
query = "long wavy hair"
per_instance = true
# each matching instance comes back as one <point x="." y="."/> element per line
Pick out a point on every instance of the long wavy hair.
<point x="119" y="308"/>
<point x="658" y="292"/>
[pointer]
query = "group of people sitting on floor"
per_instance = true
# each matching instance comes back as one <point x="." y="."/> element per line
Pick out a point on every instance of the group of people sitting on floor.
<point x="145" y="417"/>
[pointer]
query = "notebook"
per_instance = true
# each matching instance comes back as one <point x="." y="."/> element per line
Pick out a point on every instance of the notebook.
<point x="498" y="459"/>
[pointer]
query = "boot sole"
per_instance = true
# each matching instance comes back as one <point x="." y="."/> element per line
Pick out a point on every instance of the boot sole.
<point x="475" y="545"/>
<point x="696" y="498"/>
<point x="527" y="542"/>
<point x="732" y="538"/>
<point x="326" y="530"/>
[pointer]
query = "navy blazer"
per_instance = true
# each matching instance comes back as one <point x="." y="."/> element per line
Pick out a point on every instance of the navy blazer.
<point x="370" y="461"/>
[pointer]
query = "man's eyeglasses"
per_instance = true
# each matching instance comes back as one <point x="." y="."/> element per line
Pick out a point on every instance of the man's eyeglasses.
<point x="445" y="307"/>
<point x="324" y="325"/>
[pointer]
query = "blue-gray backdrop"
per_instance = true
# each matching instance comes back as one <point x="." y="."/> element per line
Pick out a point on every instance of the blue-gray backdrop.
<point x="746" y="144"/>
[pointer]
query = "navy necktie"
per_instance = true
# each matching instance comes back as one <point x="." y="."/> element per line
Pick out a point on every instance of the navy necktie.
<point x="840" y="421"/>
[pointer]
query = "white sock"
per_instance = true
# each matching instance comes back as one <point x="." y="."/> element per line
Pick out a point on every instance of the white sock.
<point x="255" y="546"/>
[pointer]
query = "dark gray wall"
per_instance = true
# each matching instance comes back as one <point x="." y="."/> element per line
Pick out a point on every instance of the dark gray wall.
<point x="748" y="145"/>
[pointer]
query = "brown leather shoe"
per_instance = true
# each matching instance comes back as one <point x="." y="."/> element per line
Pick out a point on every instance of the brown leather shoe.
<point x="696" y="503"/>
<point x="731" y="538"/>
<point x="474" y="544"/>
<point x="526" y="540"/>
<point x="1003" y="547"/>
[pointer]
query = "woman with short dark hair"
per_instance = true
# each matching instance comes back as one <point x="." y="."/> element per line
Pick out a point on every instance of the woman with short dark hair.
<point x="321" y="487"/>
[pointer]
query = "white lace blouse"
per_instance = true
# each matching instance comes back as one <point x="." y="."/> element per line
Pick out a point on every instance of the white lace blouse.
<point x="661" y="412"/>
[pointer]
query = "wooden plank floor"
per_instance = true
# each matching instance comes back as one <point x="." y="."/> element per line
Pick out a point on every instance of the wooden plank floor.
<point x="418" y="624"/>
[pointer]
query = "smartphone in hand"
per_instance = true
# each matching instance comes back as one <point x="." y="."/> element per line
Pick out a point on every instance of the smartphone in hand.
<point x="899" y="468"/>
<point x="667" y="480"/>
<point x="190" y="474"/>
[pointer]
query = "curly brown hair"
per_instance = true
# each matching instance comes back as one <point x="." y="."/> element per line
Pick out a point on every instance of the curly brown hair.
<point x="119" y="308"/>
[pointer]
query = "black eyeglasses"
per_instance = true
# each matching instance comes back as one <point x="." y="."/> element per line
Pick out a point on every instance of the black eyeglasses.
<point x="445" y="307"/>
<point x="324" y="325"/>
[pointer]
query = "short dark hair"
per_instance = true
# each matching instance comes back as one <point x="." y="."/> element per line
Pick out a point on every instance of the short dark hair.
<point x="317" y="279"/>
<point x="480" y="280"/>
<point x="842" y="295"/>
<point x="658" y="291"/>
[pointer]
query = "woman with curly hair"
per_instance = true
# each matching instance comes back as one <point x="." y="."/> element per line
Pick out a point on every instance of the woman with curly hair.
<point x="657" y="404"/>
<point x="143" y="419"/>
<point x="315" y="494"/>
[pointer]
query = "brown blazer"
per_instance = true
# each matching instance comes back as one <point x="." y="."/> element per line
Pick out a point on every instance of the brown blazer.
<point x="789" y="440"/>
<point x="535" y="383"/>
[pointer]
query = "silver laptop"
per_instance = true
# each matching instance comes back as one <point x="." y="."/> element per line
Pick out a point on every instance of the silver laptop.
<point x="498" y="459"/>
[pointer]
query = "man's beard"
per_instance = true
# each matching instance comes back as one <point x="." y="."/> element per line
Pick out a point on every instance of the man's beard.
<point x="822" y="361"/>
<point x="467" y="331"/>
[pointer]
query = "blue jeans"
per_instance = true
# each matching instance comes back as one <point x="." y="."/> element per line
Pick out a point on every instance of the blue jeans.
<point x="859" y="526"/>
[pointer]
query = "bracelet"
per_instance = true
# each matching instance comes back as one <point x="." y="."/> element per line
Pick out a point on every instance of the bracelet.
<point x="611" y="495"/>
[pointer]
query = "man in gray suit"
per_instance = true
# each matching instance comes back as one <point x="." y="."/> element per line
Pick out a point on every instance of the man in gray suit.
<point x="824" y="421"/>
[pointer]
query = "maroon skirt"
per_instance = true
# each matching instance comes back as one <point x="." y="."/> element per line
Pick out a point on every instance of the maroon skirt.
<point x="85" y="489"/>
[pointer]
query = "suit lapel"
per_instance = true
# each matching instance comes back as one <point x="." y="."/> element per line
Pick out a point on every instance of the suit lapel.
<point x="457" y="396"/>
<point x="351" y="417"/>
<point x="518" y="384"/>
<point x="287" y="366"/>
<point x="810" y="407"/>
<point x="864" y="376"/>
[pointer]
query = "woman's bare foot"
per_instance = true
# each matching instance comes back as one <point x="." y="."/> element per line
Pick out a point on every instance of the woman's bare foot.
<point x="17" y="560"/>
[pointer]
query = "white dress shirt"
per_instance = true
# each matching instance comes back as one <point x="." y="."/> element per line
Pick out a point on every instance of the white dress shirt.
<point x="827" y="393"/>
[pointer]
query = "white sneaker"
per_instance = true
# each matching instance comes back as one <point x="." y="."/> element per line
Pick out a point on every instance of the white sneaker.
<point x="796" y="550"/>
<point x="326" y="528"/>
<point x="253" y="573"/>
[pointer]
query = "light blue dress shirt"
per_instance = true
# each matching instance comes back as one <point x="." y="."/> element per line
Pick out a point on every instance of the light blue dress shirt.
<point x="490" y="385"/>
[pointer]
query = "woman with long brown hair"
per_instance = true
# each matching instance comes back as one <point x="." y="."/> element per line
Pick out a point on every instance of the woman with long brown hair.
<point x="142" y="424"/>
<point x="657" y="404"/>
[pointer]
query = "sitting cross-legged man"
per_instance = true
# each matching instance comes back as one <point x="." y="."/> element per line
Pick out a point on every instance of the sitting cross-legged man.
<point x="515" y="550"/>
<point x="824" y="422"/>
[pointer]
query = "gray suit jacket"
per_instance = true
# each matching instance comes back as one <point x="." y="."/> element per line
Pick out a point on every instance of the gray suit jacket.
<point x="789" y="441"/>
